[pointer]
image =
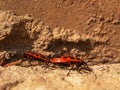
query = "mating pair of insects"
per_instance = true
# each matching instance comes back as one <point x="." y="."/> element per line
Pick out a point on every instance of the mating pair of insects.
<point x="63" y="61"/>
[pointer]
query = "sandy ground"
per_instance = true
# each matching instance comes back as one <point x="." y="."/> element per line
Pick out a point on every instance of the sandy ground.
<point x="38" y="78"/>
<point x="82" y="28"/>
<point x="65" y="13"/>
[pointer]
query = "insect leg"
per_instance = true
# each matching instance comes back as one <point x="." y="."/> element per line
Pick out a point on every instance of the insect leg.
<point x="70" y="70"/>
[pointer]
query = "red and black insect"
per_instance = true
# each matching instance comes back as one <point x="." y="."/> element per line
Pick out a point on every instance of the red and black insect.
<point x="40" y="57"/>
<point x="70" y="61"/>
<point x="73" y="62"/>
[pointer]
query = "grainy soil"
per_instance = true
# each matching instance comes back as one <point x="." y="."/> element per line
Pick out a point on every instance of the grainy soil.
<point x="37" y="78"/>
<point x="81" y="28"/>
